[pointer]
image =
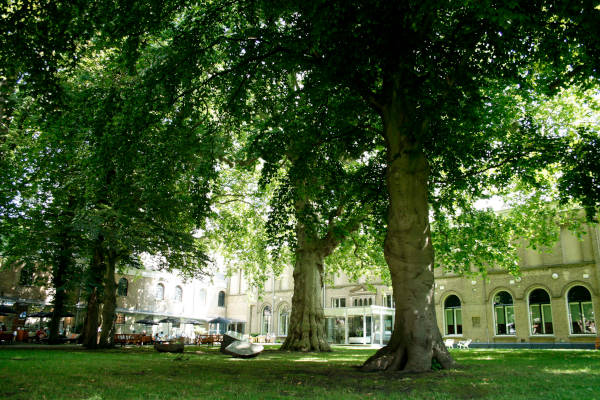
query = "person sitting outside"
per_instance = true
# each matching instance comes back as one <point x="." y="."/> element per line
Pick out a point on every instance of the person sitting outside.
<point x="40" y="334"/>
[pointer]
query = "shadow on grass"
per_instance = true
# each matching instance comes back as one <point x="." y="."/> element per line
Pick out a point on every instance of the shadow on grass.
<point x="131" y="373"/>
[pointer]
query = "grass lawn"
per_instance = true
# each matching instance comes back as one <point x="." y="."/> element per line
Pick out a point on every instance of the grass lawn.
<point x="201" y="372"/>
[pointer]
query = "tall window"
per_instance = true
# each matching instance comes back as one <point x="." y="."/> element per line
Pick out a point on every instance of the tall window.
<point x="338" y="302"/>
<point x="284" y="320"/>
<point x="540" y="313"/>
<point x="221" y="302"/>
<point x="26" y="276"/>
<point x="178" y="296"/>
<point x="581" y="311"/>
<point x="160" y="292"/>
<point x="453" y="315"/>
<point x="388" y="301"/>
<point x="266" y="320"/>
<point x="202" y="296"/>
<point x="504" y="312"/>
<point x="363" y="301"/>
<point x="122" y="287"/>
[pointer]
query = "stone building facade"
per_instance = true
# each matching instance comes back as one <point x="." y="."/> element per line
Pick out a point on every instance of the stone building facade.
<point x="555" y="300"/>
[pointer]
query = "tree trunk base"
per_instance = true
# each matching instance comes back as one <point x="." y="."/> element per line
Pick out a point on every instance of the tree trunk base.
<point x="408" y="359"/>
<point x="306" y="344"/>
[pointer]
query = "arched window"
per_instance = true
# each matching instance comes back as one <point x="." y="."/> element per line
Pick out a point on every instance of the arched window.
<point x="178" y="296"/>
<point x="221" y="302"/>
<point x="284" y="320"/>
<point x="160" y="292"/>
<point x="266" y="320"/>
<point x="202" y="296"/>
<point x="453" y="315"/>
<point x="26" y="277"/>
<point x="504" y="312"/>
<point x="581" y="311"/>
<point x="540" y="312"/>
<point x="122" y="287"/>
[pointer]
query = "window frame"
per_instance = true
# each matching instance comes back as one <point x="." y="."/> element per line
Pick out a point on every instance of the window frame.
<point x="202" y="296"/>
<point x="178" y="294"/>
<point x="269" y="321"/>
<point x="581" y="310"/>
<point x="505" y="314"/>
<point x="283" y="311"/>
<point x="363" y="301"/>
<point x="541" y="311"/>
<point x="26" y="276"/>
<point x="336" y="302"/>
<point x="388" y="300"/>
<point x="454" y="309"/>
<point x="126" y="287"/>
<point x="162" y="296"/>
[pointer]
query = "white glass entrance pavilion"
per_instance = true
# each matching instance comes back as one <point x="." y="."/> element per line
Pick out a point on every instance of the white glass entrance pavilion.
<point x="359" y="325"/>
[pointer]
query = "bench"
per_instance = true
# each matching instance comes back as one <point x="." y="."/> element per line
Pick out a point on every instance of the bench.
<point x="6" y="337"/>
<point x="209" y="339"/>
<point x="132" y="338"/>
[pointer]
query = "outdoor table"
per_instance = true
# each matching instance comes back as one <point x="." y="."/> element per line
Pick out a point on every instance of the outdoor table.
<point x="6" y="337"/>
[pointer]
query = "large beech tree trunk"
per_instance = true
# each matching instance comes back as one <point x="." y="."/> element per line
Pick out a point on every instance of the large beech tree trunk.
<point x="90" y="327"/>
<point x="60" y="270"/>
<point x="59" y="283"/>
<point x="109" y="303"/>
<point x="306" y="330"/>
<point x="416" y="343"/>
<point x="59" y="273"/>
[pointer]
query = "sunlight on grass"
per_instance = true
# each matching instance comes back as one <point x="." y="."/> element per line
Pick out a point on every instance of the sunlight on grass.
<point x="568" y="371"/>
<point x="485" y="375"/>
<point x="486" y="358"/>
<point x="350" y="359"/>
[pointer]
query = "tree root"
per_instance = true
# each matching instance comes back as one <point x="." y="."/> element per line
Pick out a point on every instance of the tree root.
<point x="402" y="359"/>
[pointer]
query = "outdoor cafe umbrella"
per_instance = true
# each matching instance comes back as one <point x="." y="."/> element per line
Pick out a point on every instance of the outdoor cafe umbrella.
<point x="220" y="320"/>
<point x="169" y="320"/>
<point x="7" y="310"/>
<point x="41" y="315"/>
<point x="146" y="321"/>
<point x="194" y="322"/>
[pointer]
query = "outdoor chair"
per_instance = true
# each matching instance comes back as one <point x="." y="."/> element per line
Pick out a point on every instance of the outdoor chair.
<point x="464" y="344"/>
<point x="449" y="343"/>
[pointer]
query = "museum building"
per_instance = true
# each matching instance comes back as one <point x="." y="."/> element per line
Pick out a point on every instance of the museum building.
<point x="554" y="301"/>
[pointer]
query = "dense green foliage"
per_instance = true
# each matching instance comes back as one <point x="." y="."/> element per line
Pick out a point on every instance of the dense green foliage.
<point x="117" y="118"/>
